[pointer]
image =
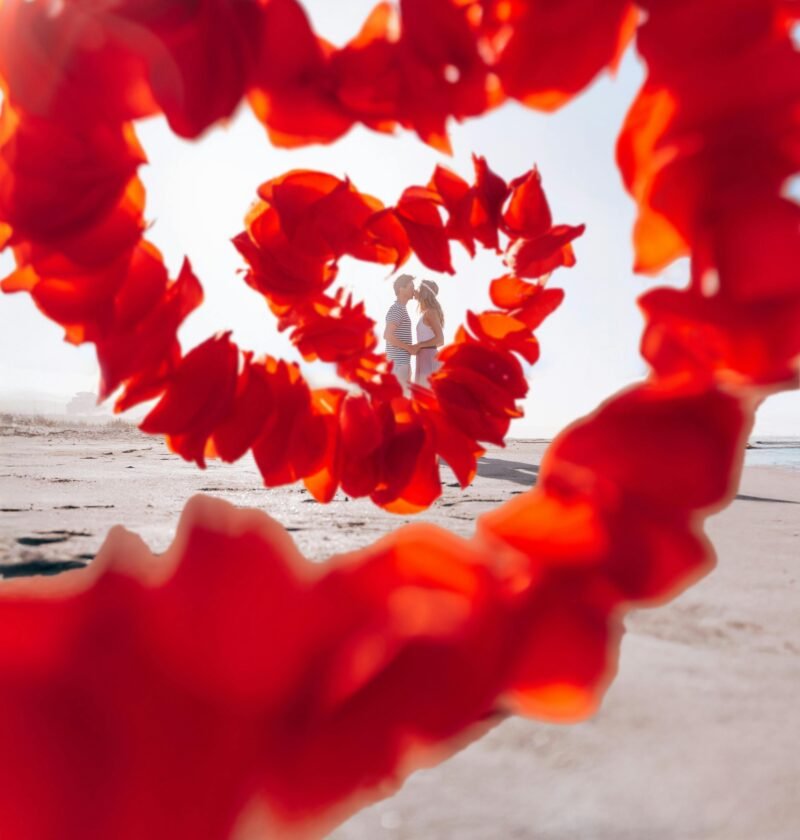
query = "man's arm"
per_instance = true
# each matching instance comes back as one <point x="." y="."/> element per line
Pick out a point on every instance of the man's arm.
<point x="390" y="334"/>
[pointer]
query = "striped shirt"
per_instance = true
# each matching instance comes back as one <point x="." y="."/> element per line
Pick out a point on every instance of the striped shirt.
<point x="398" y="316"/>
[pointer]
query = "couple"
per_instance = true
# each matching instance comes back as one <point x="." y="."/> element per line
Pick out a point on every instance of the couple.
<point x="430" y="330"/>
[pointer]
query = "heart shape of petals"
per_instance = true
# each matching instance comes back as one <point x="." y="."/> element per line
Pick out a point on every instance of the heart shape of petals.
<point x="219" y="401"/>
<point x="232" y="671"/>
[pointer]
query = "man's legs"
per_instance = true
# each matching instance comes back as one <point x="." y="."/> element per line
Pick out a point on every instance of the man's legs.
<point x="403" y="373"/>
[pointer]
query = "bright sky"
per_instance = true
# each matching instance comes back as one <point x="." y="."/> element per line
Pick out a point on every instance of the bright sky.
<point x="198" y="194"/>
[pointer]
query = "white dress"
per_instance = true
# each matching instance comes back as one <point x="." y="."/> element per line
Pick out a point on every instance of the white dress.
<point x="426" y="359"/>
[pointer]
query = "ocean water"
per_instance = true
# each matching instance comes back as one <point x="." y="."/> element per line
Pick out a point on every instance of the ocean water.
<point x="769" y="452"/>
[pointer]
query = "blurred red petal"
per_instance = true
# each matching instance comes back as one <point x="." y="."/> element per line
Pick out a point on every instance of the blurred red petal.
<point x="440" y="56"/>
<point x="423" y="224"/>
<point x="670" y="447"/>
<point x="251" y="405"/>
<point x="556" y="49"/>
<point x="293" y="94"/>
<point x="504" y="331"/>
<point x="528" y="213"/>
<point x="42" y="163"/>
<point x="148" y="311"/>
<point x="509" y="292"/>
<point x="198" y="397"/>
<point x="334" y="331"/>
<point x="538" y="257"/>
<point x="292" y="441"/>
<point x="323" y="483"/>
<point x="383" y="240"/>
<point x="491" y="192"/>
<point x="740" y="343"/>
<point x="538" y="306"/>
<point x="177" y="39"/>
<point x="67" y="62"/>
<point x="280" y="270"/>
<point x="566" y="650"/>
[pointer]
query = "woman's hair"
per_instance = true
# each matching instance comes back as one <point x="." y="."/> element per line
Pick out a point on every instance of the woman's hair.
<point x="426" y="295"/>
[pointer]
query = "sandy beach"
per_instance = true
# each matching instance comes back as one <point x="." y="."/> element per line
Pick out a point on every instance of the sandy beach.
<point x="699" y="737"/>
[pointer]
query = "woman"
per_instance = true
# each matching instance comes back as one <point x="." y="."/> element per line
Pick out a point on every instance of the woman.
<point x="430" y="331"/>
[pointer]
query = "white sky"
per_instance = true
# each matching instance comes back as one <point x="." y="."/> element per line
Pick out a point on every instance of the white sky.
<point x="198" y="194"/>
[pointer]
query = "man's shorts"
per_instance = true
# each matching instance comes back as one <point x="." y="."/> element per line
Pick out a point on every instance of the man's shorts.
<point x="402" y="372"/>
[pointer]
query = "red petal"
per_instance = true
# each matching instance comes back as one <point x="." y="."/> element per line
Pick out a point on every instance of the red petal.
<point x="197" y="399"/>
<point x="537" y="257"/>
<point x="528" y="213"/>
<point x="144" y="344"/>
<point x="292" y="94"/>
<point x="251" y="406"/>
<point x="426" y="233"/>
<point x="557" y="49"/>
<point x="668" y="448"/>
<point x="741" y="343"/>
<point x="42" y="162"/>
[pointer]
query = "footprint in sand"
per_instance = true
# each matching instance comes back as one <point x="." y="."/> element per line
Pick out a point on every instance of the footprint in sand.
<point x="50" y="537"/>
<point x="41" y="566"/>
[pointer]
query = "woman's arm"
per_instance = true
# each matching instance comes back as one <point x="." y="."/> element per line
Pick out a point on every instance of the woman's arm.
<point x="431" y="318"/>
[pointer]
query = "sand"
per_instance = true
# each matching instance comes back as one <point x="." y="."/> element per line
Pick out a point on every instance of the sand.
<point x="699" y="737"/>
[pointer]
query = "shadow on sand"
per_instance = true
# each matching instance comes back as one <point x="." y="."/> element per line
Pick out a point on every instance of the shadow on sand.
<point x="742" y="498"/>
<point x="521" y="473"/>
<point x="516" y="471"/>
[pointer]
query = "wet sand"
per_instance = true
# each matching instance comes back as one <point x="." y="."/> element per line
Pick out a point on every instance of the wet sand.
<point x="698" y="738"/>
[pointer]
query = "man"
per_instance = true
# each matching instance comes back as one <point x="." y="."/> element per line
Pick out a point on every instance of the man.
<point x="399" y="347"/>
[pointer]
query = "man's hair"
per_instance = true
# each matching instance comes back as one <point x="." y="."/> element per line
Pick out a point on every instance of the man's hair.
<point x="402" y="281"/>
